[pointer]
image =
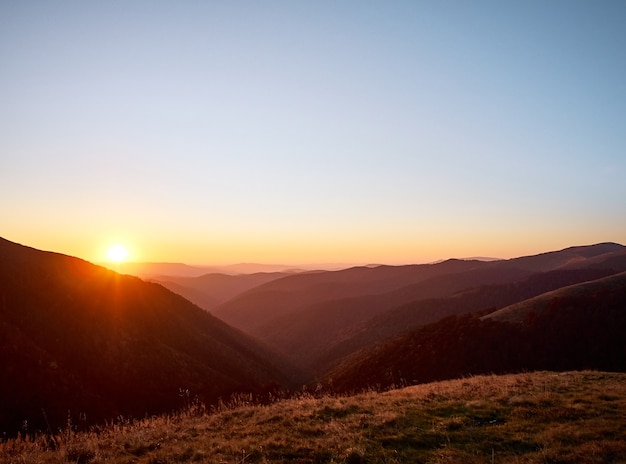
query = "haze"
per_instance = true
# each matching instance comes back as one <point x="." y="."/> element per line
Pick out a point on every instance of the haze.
<point x="216" y="132"/>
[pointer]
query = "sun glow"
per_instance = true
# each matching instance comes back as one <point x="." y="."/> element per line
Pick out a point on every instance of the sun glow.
<point x="117" y="253"/>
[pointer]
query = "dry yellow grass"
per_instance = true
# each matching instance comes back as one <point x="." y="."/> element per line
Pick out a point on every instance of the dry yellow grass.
<point x="544" y="417"/>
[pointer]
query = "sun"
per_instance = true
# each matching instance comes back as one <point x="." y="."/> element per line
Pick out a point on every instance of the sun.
<point x="117" y="253"/>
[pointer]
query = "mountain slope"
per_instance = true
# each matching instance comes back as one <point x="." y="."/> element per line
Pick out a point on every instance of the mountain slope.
<point x="308" y="334"/>
<point x="316" y="319"/>
<point x="578" y="327"/>
<point x="75" y="336"/>
<point x="210" y="290"/>
<point x="572" y="257"/>
<point x="421" y="312"/>
<point x="593" y="293"/>
<point x="252" y="311"/>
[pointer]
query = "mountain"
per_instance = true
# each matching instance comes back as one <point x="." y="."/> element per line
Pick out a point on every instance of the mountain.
<point x="161" y="270"/>
<point x="318" y="318"/>
<point x="577" y="327"/>
<point x="149" y="270"/>
<point x="572" y="257"/>
<point x="422" y="312"/>
<point x="255" y="309"/>
<point x="78" y="337"/>
<point x="595" y="293"/>
<point x="210" y="290"/>
<point x="308" y="334"/>
<point x="256" y="268"/>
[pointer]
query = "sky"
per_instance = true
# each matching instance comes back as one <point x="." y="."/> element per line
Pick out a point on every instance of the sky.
<point x="293" y="132"/>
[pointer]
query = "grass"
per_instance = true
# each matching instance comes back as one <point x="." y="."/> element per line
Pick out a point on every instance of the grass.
<point x="544" y="417"/>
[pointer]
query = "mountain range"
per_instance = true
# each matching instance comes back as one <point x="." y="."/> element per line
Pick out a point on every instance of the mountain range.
<point x="316" y="319"/>
<point x="81" y="338"/>
<point x="575" y="327"/>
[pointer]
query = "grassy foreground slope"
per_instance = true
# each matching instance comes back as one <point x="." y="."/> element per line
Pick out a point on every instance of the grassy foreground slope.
<point x="542" y="417"/>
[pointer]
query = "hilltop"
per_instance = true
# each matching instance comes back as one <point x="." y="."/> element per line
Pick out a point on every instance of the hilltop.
<point x="569" y="418"/>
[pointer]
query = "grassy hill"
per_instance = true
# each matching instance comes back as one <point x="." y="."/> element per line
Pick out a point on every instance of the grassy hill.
<point x="541" y="417"/>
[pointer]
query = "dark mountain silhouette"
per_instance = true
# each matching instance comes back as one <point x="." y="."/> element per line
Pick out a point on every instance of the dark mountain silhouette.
<point x="210" y="290"/>
<point x="577" y="327"/>
<point x="76" y="336"/>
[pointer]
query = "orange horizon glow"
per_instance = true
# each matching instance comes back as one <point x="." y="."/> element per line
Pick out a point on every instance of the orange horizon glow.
<point x="255" y="152"/>
<point x="296" y="251"/>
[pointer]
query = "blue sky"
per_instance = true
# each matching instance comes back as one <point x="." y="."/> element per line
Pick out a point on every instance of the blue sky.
<point x="287" y="131"/>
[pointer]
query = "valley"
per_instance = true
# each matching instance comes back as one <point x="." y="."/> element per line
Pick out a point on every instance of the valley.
<point x="85" y="345"/>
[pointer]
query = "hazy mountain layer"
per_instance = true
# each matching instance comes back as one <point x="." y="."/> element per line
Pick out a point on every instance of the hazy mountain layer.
<point x="210" y="290"/>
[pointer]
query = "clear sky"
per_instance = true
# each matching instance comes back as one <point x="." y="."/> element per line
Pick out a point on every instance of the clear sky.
<point x="312" y="131"/>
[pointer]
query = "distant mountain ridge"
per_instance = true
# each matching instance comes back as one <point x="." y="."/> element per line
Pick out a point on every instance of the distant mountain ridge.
<point x="164" y="270"/>
<point x="568" y="257"/>
<point x="255" y="308"/>
<point x="211" y="290"/>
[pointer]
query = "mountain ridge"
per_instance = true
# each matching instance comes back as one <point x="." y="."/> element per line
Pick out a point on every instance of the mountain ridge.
<point x="519" y="312"/>
<point x="303" y="316"/>
<point x="581" y="328"/>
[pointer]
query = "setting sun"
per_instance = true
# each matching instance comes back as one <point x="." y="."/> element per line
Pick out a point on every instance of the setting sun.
<point x="117" y="253"/>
